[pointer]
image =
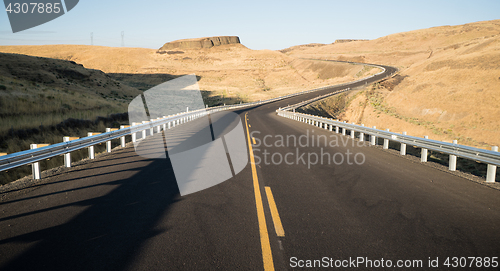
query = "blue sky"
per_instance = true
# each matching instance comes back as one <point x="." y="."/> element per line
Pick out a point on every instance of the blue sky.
<point x="259" y="24"/>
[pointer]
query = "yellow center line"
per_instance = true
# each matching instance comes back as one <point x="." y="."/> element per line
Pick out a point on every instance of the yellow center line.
<point x="274" y="213"/>
<point x="253" y="140"/>
<point x="267" y="255"/>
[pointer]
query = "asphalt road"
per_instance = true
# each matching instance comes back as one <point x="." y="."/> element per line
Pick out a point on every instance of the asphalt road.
<point x="124" y="212"/>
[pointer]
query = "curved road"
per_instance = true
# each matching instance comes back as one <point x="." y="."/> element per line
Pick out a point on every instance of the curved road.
<point x="124" y="212"/>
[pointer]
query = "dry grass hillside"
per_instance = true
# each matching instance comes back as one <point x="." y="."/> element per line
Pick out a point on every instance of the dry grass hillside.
<point x="228" y="73"/>
<point x="38" y="91"/>
<point x="448" y="87"/>
<point x="44" y="99"/>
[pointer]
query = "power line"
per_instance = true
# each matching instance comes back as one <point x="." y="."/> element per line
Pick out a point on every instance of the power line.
<point x="123" y="40"/>
<point x="91" y="38"/>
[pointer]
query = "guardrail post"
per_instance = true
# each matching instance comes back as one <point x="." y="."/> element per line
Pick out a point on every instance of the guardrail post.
<point x="343" y="130"/>
<point x="144" y="131"/>
<point x="122" y="139"/>
<point x="423" y="155"/>
<point x="134" y="137"/>
<point x="134" y="134"/>
<point x="386" y="142"/>
<point x="403" y="146"/>
<point x="108" y="143"/>
<point x="492" y="169"/>
<point x="67" y="156"/>
<point x="362" y="135"/>
<point x="373" y="138"/>
<point x="453" y="160"/>
<point x="331" y="127"/>
<point x="337" y="129"/>
<point x="91" y="148"/>
<point x="35" y="167"/>
<point x="352" y="132"/>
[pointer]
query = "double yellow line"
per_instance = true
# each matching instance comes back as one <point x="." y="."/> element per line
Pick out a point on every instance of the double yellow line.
<point x="267" y="255"/>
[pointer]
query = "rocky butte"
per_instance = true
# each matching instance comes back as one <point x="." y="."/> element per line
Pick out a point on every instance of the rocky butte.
<point x="349" y="40"/>
<point x="199" y="43"/>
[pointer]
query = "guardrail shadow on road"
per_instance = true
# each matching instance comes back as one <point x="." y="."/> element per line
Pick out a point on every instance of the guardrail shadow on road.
<point x="109" y="232"/>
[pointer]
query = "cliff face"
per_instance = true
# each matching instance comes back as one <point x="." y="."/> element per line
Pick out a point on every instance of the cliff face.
<point x="200" y="43"/>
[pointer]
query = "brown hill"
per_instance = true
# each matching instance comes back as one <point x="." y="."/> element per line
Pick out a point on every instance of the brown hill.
<point x="448" y="88"/>
<point x="228" y="73"/>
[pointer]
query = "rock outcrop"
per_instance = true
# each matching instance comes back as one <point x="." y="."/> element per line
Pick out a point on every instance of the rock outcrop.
<point x="349" y="40"/>
<point x="199" y="43"/>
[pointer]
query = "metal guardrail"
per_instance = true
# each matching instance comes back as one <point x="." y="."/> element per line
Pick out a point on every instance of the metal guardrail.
<point x="17" y="159"/>
<point x="33" y="156"/>
<point x="454" y="150"/>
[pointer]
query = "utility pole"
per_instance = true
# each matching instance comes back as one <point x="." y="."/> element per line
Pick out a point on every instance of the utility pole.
<point x="91" y="38"/>
<point x="123" y="41"/>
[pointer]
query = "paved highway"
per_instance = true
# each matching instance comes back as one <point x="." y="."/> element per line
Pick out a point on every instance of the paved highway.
<point x="124" y="212"/>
